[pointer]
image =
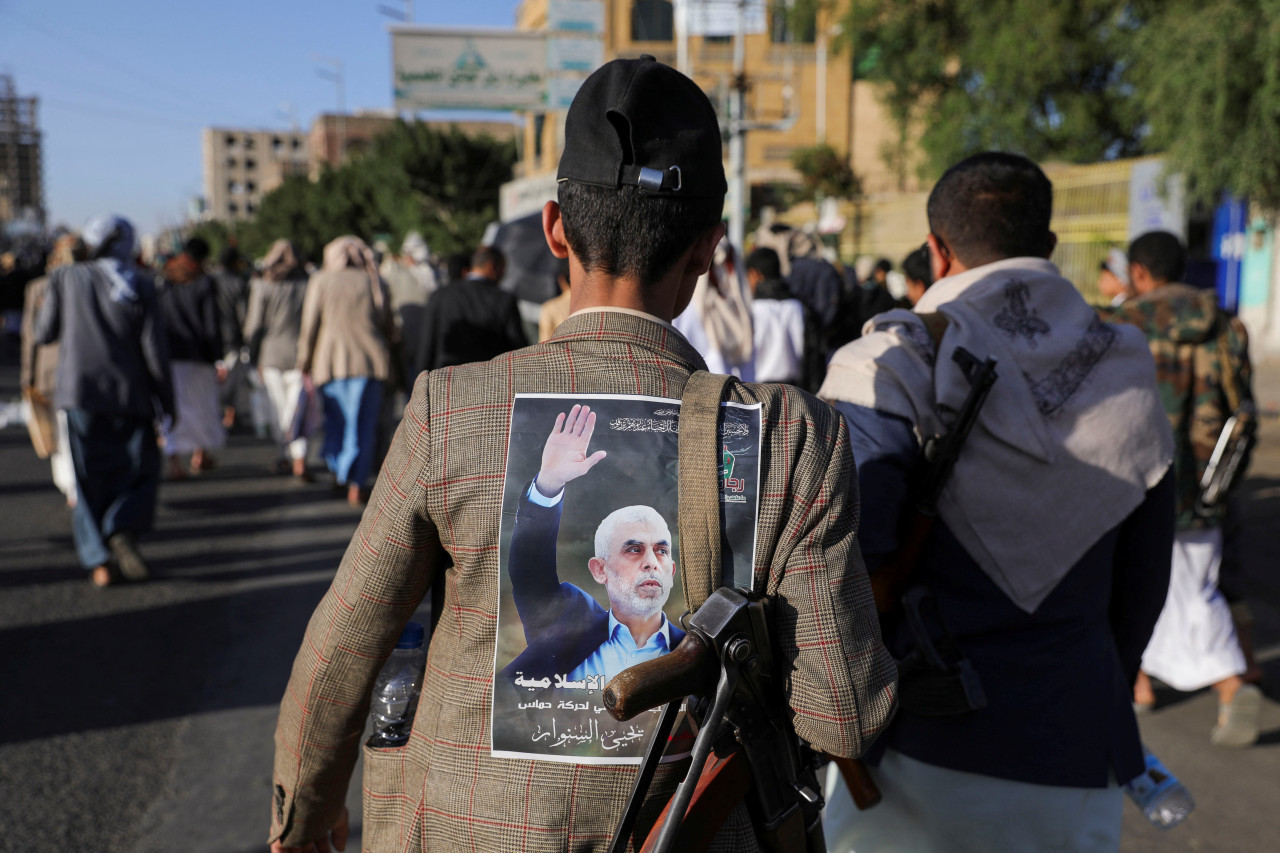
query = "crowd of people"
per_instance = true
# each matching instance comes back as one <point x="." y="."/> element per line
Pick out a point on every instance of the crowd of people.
<point x="1074" y="556"/>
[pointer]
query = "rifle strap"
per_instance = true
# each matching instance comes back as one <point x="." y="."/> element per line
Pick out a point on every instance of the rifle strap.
<point x="700" y="558"/>
<point x="935" y="323"/>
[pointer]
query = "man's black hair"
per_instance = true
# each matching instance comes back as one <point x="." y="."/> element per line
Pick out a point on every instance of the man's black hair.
<point x="229" y="258"/>
<point x="1161" y="253"/>
<point x="884" y="265"/>
<point x="625" y="232"/>
<point x="486" y="255"/>
<point x="992" y="206"/>
<point x="197" y="248"/>
<point x="765" y="261"/>
<point x="915" y="266"/>
<point x="456" y="265"/>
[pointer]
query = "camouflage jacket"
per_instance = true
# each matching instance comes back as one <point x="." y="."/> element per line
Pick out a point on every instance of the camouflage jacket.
<point x="1203" y="370"/>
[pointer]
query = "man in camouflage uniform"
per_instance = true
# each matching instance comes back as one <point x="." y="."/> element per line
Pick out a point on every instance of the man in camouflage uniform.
<point x="1202" y="365"/>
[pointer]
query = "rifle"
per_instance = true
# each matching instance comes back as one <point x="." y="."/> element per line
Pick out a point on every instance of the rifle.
<point x="939" y="459"/>
<point x="727" y="659"/>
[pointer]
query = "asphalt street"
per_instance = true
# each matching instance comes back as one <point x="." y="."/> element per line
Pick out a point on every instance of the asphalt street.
<point x="140" y="718"/>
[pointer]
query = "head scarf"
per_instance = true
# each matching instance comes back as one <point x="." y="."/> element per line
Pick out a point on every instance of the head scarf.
<point x="1118" y="263"/>
<point x="111" y="243"/>
<point x="348" y="251"/>
<point x="724" y="304"/>
<point x="415" y="248"/>
<point x="282" y="262"/>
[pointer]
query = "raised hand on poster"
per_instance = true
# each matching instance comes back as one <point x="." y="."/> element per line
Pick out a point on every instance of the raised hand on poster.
<point x="564" y="456"/>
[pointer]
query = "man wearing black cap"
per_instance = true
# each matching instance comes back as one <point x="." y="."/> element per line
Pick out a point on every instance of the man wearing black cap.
<point x="638" y="217"/>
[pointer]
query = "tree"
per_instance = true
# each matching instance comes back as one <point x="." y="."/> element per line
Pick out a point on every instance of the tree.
<point x="824" y="173"/>
<point x="1047" y="80"/>
<point x="441" y="183"/>
<point x="1209" y="79"/>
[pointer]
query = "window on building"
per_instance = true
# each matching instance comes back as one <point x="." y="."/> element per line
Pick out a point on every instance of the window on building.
<point x="787" y="24"/>
<point x="717" y="39"/>
<point x="233" y="187"/>
<point x="296" y="143"/>
<point x="539" y="127"/>
<point x="250" y="187"/>
<point x="250" y="163"/>
<point x="651" y="20"/>
<point x="250" y="208"/>
<point x="276" y="144"/>
<point x="248" y="143"/>
<point x="231" y="162"/>
<point x="231" y="141"/>
<point x="233" y="208"/>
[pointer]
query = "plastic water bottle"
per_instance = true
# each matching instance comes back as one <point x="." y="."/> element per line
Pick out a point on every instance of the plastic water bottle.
<point x="1163" y="799"/>
<point x="395" y="693"/>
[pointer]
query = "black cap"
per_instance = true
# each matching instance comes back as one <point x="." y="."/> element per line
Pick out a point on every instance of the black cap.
<point x="637" y="122"/>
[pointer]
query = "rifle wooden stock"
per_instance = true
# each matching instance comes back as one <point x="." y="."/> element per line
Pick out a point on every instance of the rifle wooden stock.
<point x="690" y="667"/>
<point x="858" y="779"/>
<point x="891" y="579"/>
<point x="723" y="784"/>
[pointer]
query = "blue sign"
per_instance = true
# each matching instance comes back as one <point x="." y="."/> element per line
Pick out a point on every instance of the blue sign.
<point x="1230" y="239"/>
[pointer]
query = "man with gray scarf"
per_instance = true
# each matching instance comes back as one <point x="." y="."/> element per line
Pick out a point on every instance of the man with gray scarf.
<point x="1050" y="558"/>
<point x="113" y="383"/>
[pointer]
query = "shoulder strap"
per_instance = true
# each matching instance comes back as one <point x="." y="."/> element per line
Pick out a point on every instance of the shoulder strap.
<point x="935" y="323"/>
<point x="699" y="486"/>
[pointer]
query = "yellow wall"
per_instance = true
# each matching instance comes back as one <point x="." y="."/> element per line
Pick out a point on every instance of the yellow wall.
<point x="771" y="68"/>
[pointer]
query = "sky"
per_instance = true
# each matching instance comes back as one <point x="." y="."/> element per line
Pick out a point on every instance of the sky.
<point x="126" y="87"/>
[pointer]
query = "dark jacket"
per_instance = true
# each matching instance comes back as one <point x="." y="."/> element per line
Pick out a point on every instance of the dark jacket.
<point x="469" y="320"/>
<point x="114" y="356"/>
<point x="817" y="284"/>
<point x="563" y="625"/>
<point x="232" y="293"/>
<point x="192" y="317"/>
<point x="1059" y="681"/>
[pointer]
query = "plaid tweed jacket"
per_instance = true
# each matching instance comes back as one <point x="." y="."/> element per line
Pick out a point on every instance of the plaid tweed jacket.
<point x="435" y="513"/>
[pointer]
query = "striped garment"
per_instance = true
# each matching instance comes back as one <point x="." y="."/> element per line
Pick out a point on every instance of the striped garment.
<point x="434" y="517"/>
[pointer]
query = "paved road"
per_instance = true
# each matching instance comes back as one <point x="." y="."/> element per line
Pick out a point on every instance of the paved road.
<point x="140" y="718"/>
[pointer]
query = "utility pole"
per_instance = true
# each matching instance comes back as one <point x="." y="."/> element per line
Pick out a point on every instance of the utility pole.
<point x="738" y="133"/>
<point x="339" y="80"/>
<point x="739" y="126"/>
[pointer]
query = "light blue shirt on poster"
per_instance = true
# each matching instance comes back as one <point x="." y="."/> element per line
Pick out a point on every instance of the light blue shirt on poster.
<point x="619" y="651"/>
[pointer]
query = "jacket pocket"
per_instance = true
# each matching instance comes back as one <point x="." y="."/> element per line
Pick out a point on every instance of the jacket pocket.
<point x="388" y="805"/>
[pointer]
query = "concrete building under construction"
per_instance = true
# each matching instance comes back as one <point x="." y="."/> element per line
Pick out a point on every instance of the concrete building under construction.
<point x="21" y="157"/>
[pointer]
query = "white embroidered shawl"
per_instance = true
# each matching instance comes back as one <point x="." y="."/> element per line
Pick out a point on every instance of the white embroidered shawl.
<point x="1070" y="439"/>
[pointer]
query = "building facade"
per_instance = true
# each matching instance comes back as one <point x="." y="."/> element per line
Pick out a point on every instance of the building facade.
<point x="795" y="81"/>
<point x="241" y="166"/>
<point x="21" y="156"/>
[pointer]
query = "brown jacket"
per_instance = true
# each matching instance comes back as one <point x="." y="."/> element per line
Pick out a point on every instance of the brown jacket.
<point x="435" y="516"/>
<point x="344" y="333"/>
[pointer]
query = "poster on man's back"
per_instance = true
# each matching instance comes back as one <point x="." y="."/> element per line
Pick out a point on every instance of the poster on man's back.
<point x="590" y="564"/>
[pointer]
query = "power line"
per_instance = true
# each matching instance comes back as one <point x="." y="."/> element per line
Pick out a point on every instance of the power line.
<point x="109" y="62"/>
<point x="108" y="112"/>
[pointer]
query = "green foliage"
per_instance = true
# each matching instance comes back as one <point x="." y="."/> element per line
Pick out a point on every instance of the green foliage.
<point x="824" y="173"/>
<point x="216" y="233"/>
<point x="1209" y="78"/>
<point x="1048" y="80"/>
<point x="443" y="184"/>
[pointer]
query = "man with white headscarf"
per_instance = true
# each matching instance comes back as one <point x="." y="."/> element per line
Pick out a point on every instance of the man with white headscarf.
<point x="113" y="383"/>
<point x="1049" y="562"/>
